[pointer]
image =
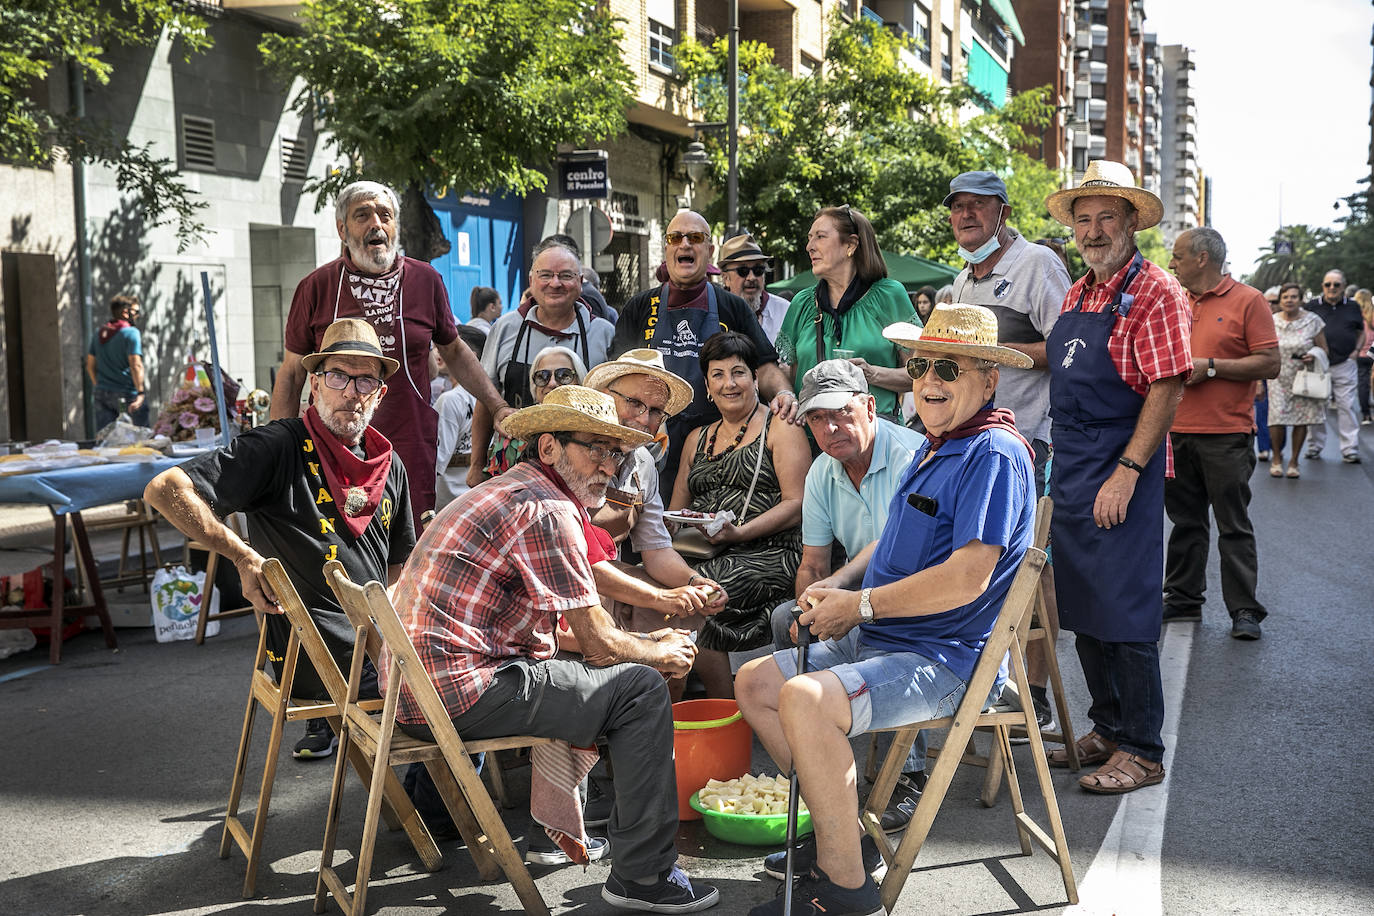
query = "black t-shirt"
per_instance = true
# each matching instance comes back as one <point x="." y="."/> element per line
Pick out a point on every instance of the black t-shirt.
<point x="1344" y="326"/>
<point x="272" y="475"/>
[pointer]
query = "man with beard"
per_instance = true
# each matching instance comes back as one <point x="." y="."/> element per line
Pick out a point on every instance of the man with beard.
<point x="481" y="598"/>
<point x="743" y="270"/>
<point x="315" y="488"/>
<point x="405" y="302"/>
<point x="1119" y="355"/>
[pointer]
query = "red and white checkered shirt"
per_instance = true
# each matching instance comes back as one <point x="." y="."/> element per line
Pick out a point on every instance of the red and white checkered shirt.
<point x="487" y="581"/>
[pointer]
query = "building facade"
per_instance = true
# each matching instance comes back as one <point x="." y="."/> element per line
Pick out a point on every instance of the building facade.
<point x="1182" y="187"/>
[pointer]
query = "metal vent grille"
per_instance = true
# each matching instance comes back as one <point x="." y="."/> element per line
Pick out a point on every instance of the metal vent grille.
<point x="198" y="142"/>
<point x="295" y="160"/>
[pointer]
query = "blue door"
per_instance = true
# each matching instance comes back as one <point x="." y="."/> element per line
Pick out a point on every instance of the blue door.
<point x="488" y="248"/>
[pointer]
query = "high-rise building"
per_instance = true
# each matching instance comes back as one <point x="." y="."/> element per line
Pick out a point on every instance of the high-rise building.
<point x="1109" y="85"/>
<point x="1181" y="178"/>
<point x="1047" y="59"/>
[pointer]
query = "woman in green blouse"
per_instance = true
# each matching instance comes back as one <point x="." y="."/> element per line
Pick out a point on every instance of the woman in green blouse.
<point x="850" y="306"/>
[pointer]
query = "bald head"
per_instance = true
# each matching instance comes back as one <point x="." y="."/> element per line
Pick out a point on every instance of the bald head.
<point x="687" y="248"/>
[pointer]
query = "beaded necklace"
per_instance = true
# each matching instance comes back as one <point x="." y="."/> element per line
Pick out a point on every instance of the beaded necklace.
<point x="711" y="443"/>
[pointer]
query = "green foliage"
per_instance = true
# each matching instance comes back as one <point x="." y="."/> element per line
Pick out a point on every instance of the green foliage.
<point x="38" y="35"/>
<point x="865" y="130"/>
<point x="1307" y="262"/>
<point x="464" y="94"/>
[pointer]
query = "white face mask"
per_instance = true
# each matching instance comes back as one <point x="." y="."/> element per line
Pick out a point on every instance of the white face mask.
<point x="986" y="249"/>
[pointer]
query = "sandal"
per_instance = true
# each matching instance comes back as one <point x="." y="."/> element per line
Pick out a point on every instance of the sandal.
<point x="1092" y="748"/>
<point x="1275" y="470"/>
<point x="1293" y="472"/>
<point x="1123" y="773"/>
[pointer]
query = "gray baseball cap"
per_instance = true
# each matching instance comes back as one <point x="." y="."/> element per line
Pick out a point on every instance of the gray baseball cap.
<point x="984" y="183"/>
<point x="830" y="385"/>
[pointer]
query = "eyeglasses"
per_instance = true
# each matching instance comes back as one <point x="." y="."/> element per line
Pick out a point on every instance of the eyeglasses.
<point x="1332" y="285"/>
<point x="600" y="453"/>
<point x="745" y="270"/>
<point x="638" y="408"/>
<point x="562" y="376"/>
<point x="563" y="276"/>
<point x="947" y="369"/>
<point x="363" y="384"/>
<point x="695" y="238"/>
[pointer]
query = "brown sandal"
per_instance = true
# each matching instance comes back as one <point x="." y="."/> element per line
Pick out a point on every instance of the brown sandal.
<point x="1092" y="748"/>
<point x="1123" y="773"/>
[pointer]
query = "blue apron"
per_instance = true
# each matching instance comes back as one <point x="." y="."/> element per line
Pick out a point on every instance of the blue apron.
<point x="1109" y="581"/>
<point x="679" y="335"/>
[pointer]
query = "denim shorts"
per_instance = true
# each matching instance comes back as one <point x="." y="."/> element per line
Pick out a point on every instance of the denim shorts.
<point x="886" y="689"/>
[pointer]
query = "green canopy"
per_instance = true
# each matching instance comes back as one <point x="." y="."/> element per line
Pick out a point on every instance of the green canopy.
<point x="910" y="270"/>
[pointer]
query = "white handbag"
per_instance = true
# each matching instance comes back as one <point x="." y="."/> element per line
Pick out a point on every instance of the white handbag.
<point x="1309" y="383"/>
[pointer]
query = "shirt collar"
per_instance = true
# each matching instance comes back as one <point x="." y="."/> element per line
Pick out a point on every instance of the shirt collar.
<point x="1221" y="289"/>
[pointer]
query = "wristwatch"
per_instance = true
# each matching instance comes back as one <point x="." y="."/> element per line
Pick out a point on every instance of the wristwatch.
<point x="865" y="606"/>
<point x="1211" y="367"/>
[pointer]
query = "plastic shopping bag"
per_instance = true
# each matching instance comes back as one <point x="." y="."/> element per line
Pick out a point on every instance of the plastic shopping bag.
<point x="177" y="594"/>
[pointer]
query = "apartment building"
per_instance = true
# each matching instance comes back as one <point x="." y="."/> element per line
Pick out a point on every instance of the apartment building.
<point x="1183" y="184"/>
<point x="1048" y="58"/>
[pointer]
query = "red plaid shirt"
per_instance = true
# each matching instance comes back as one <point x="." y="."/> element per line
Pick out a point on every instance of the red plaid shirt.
<point x="487" y="581"/>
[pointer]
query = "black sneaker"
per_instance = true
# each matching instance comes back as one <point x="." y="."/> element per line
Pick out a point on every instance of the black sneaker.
<point x="1245" y="626"/>
<point x="319" y="741"/>
<point x="542" y="850"/>
<point x="1044" y="717"/>
<point x="600" y="800"/>
<point x="817" y="895"/>
<point x="673" y="893"/>
<point x="906" y="795"/>
<point x="804" y="859"/>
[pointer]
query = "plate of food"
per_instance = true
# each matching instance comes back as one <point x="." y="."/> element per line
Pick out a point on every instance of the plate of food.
<point x="689" y="517"/>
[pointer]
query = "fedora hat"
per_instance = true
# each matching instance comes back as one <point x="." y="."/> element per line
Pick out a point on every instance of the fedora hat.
<point x="351" y="337"/>
<point x="643" y="362"/>
<point x="967" y="329"/>
<point x="740" y="249"/>
<point x="1105" y="178"/>
<point x="573" y="409"/>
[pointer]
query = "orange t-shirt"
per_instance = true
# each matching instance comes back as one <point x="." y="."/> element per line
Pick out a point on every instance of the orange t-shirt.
<point x="1230" y="321"/>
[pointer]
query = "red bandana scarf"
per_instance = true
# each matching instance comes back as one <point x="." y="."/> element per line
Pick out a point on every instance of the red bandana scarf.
<point x="987" y="418"/>
<point x="113" y="327"/>
<point x="355" y="483"/>
<point x="600" y="546"/>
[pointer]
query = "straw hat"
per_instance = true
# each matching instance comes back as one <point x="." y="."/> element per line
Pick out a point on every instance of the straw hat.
<point x="1105" y="178"/>
<point x="955" y="329"/>
<point x="351" y="337"/>
<point x="573" y="409"/>
<point x="740" y="249"/>
<point x="643" y="362"/>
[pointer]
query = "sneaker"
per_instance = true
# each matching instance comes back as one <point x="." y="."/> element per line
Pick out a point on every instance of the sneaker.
<point x="804" y="859"/>
<point x="1312" y="454"/>
<point x="906" y="795"/>
<point x="319" y="741"/>
<point x="1245" y="626"/>
<point x="542" y="850"/>
<point x="817" y="895"/>
<point x="1351" y="457"/>
<point x="673" y="893"/>
<point x="1182" y="614"/>
<point x="1044" y="717"/>
<point x="600" y="799"/>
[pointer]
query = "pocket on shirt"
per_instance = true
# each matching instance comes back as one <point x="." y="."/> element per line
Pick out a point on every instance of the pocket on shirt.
<point x="907" y="551"/>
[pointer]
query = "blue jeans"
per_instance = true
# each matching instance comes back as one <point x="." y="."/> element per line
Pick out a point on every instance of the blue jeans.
<point x="1127" y="694"/>
<point x="110" y="404"/>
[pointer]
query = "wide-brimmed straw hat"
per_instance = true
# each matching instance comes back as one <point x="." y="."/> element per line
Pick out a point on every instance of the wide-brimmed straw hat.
<point x="967" y="329"/>
<point x="573" y="409"/>
<point x="351" y="337"/>
<point x="1105" y="178"/>
<point x="643" y="362"/>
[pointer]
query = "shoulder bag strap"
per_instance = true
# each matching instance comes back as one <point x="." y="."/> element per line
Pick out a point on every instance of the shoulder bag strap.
<point x="758" y="464"/>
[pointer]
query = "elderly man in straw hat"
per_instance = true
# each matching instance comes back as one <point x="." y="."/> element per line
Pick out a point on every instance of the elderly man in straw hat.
<point x="481" y="598"/>
<point x="320" y="487"/>
<point x="743" y="269"/>
<point x="903" y="622"/>
<point x="1118" y="356"/>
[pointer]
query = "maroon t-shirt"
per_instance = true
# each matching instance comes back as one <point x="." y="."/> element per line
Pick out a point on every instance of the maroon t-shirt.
<point x="408" y="307"/>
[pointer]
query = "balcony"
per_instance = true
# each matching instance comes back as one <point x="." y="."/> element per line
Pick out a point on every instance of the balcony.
<point x="1097" y="146"/>
<point x="1097" y="110"/>
<point x="1133" y="92"/>
<point x="1083" y="40"/>
<point x="1133" y="56"/>
<point x="1099" y="36"/>
<point x="1133" y="159"/>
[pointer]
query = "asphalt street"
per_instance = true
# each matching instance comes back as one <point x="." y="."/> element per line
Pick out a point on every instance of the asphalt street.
<point x="115" y="766"/>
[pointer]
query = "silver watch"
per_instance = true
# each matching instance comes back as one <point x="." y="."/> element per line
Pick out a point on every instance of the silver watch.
<point x="865" y="606"/>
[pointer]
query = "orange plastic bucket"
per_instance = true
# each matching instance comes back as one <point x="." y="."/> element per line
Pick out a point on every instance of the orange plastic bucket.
<point x="711" y="740"/>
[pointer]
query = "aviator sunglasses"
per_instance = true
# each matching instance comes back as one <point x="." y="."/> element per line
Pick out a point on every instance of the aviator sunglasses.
<point x="947" y="369"/>
<point x="695" y="237"/>
<point x="562" y="376"/>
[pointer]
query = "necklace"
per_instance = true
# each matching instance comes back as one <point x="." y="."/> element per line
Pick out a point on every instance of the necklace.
<point x="739" y="437"/>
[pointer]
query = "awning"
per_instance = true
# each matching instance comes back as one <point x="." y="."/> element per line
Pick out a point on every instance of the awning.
<point x="910" y="270"/>
<point x="1004" y="11"/>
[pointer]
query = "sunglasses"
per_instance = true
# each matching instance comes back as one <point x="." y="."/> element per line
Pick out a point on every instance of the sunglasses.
<point x="946" y="369"/>
<point x="695" y="238"/>
<point x="1333" y="285"/>
<point x="757" y="270"/>
<point x="363" y="384"/>
<point x="562" y="376"/>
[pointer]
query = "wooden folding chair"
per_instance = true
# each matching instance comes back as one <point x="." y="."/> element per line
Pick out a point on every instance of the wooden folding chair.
<point x="276" y="699"/>
<point x="211" y="567"/>
<point x="138" y="517"/>
<point x="447" y="758"/>
<point x="971" y="714"/>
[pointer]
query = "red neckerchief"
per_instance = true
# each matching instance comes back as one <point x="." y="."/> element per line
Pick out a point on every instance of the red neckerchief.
<point x="987" y="418"/>
<point x="349" y="477"/>
<point x="693" y="297"/>
<point x="559" y="334"/>
<point x="113" y="327"/>
<point x="763" y="304"/>
<point x="600" y="546"/>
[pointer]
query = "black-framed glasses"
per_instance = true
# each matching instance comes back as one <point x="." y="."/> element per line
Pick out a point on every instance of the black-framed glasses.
<point x="1332" y="285"/>
<point x="601" y="453"/>
<point x="694" y="237"/>
<point x="363" y="384"/>
<point x="947" y="369"/>
<point x="745" y="270"/>
<point x="562" y="376"/>
<point x="638" y="408"/>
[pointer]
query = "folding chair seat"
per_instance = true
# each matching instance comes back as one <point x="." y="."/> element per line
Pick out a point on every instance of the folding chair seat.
<point x="138" y="517"/>
<point x="276" y="700"/>
<point x="447" y="757"/>
<point x="1011" y="620"/>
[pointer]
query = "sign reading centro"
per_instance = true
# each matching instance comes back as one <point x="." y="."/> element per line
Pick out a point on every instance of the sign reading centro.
<point x="584" y="175"/>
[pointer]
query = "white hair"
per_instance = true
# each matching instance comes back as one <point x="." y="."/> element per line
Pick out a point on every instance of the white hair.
<point x="364" y="190"/>
<point x="578" y="366"/>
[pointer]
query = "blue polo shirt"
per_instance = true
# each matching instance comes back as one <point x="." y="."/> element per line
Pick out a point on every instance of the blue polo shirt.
<point x="984" y="489"/>
<point x="832" y="510"/>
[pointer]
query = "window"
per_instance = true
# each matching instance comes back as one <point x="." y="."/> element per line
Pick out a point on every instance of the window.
<point x="661" y="38"/>
<point x="1100" y="90"/>
<point x="809" y="64"/>
<point x="922" y="36"/>
<point x="198" y="143"/>
<point x="947" y="57"/>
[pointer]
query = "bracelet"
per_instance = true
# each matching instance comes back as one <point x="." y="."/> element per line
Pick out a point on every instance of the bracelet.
<point x="1128" y="463"/>
<point x="694" y="577"/>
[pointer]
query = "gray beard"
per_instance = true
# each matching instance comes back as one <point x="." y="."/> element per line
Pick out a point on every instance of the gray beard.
<point x="580" y="486"/>
<point x="753" y="299"/>
<point x="363" y="257"/>
<point x="350" y="433"/>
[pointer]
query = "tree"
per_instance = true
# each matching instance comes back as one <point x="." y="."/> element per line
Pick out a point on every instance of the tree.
<point x="38" y="35"/>
<point x="462" y="94"/>
<point x="1295" y="253"/>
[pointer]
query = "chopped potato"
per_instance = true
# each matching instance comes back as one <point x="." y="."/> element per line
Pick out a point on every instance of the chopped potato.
<point x="748" y="794"/>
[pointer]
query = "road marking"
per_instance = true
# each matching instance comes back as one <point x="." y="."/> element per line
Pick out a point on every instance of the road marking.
<point x="23" y="672"/>
<point x="1124" y="879"/>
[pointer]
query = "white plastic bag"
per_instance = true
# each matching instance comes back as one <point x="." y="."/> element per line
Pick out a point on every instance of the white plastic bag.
<point x="177" y="594"/>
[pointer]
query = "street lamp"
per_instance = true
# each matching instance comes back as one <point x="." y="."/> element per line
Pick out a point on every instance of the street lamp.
<point x="696" y="160"/>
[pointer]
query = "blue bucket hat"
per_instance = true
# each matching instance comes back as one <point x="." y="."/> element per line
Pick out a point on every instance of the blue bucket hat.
<point x="984" y="183"/>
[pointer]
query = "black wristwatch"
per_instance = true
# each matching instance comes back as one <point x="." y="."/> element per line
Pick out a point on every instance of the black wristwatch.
<point x="1128" y="463"/>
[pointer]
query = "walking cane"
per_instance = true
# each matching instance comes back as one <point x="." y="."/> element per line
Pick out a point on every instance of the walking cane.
<point x="793" y="792"/>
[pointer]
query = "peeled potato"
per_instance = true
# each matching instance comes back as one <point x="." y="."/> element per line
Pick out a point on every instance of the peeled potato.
<point x="748" y="794"/>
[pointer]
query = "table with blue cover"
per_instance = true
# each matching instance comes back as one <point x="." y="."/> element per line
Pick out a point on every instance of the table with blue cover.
<point x="66" y="493"/>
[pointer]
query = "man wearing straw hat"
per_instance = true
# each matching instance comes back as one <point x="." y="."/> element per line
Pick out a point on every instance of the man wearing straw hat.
<point x="481" y="597"/>
<point x="902" y="624"/>
<point x="1118" y="356"/>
